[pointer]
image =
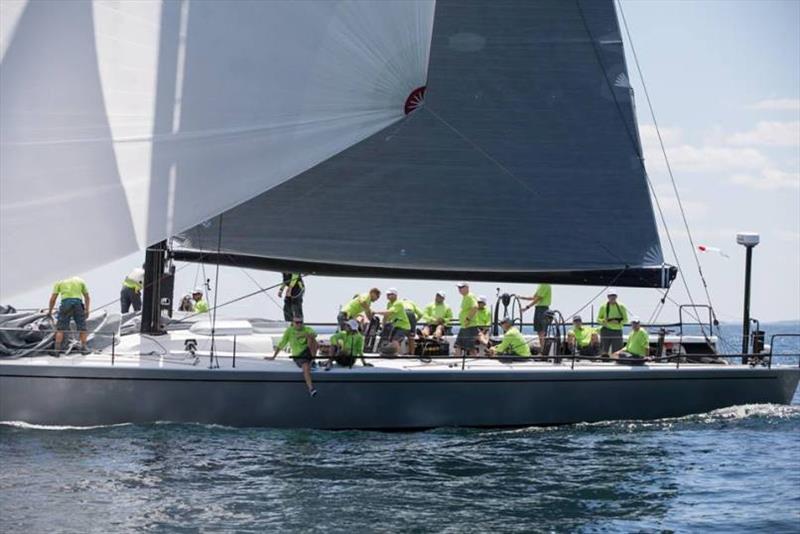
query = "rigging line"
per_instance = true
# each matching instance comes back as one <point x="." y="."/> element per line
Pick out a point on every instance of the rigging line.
<point x="637" y="149"/>
<point x="597" y="295"/>
<point x="267" y="295"/>
<point x="481" y="150"/>
<point x="666" y="159"/>
<point x="237" y="299"/>
<point x="107" y="304"/>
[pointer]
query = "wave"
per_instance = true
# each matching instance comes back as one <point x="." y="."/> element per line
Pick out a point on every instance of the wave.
<point x="31" y="426"/>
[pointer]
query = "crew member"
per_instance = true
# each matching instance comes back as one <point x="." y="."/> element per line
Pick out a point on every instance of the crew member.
<point x="483" y="320"/>
<point x="294" y="288"/>
<point x="582" y="340"/>
<point x="414" y="314"/>
<point x="347" y="345"/>
<point x="131" y="293"/>
<point x="436" y="316"/>
<point x="302" y="341"/>
<point x="513" y="343"/>
<point x="638" y="345"/>
<point x="468" y="331"/>
<point x="540" y="301"/>
<point x="359" y="308"/>
<point x="396" y="316"/>
<point x="200" y="304"/>
<point x="74" y="305"/>
<point x="611" y="317"/>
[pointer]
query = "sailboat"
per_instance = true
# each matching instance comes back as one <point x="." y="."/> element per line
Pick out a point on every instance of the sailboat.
<point x="335" y="138"/>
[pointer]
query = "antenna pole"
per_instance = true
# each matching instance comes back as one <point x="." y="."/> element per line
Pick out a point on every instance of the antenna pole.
<point x="749" y="241"/>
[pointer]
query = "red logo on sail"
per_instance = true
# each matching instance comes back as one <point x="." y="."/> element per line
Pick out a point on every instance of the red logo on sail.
<point x="415" y="99"/>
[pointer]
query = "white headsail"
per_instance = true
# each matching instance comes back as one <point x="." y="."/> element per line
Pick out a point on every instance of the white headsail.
<point x="124" y="122"/>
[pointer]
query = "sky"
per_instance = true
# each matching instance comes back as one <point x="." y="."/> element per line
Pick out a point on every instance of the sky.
<point x="724" y="79"/>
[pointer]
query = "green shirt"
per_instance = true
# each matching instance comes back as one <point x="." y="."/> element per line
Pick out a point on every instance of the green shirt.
<point x="356" y="306"/>
<point x="583" y="335"/>
<point x="638" y="343"/>
<point x="483" y="317"/>
<point x="351" y="343"/>
<point x="614" y="311"/>
<point x="70" y="288"/>
<point x="435" y="313"/>
<point x="545" y="294"/>
<point x="201" y="306"/>
<point x="398" y="315"/>
<point x="412" y="306"/>
<point x="296" y="339"/>
<point x="133" y="284"/>
<point x="513" y="343"/>
<point x="467" y="303"/>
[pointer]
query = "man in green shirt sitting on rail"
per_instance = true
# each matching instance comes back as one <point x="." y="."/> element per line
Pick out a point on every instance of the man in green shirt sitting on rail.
<point x="513" y="343"/>
<point x="74" y="306"/>
<point x="302" y="341"/>
<point x="638" y="345"/>
<point x="582" y="340"/>
<point x="436" y="316"/>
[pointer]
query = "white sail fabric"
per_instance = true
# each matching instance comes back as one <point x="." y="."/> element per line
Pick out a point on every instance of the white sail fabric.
<point x="123" y="122"/>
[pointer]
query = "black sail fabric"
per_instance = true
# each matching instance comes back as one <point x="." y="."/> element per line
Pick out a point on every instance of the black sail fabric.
<point x="522" y="164"/>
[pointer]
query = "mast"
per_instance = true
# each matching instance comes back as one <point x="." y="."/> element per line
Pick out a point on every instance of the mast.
<point x="155" y="280"/>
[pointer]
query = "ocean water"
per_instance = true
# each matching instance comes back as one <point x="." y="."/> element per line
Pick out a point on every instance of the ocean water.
<point x="732" y="470"/>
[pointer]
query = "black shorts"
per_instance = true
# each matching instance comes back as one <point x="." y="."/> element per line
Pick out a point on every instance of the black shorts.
<point x="540" y="319"/>
<point x="412" y="320"/>
<point x="466" y="338"/>
<point x="398" y="334"/>
<point x="303" y="357"/>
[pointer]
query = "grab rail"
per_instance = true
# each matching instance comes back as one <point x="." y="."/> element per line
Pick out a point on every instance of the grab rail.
<point x="772" y="347"/>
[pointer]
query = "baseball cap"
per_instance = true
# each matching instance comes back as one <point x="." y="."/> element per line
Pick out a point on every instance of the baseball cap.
<point x="482" y="299"/>
<point x="391" y="291"/>
<point x="440" y="294"/>
<point x="461" y="284"/>
<point x="577" y="318"/>
<point x="197" y="290"/>
<point x="635" y="320"/>
<point x="612" y="291"/>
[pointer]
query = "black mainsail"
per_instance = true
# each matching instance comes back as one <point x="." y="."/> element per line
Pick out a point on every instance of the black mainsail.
<point x="522" y="163"/>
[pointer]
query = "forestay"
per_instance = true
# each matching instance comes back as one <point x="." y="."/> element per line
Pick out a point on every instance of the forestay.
<point x="522" y="163"/>
<point x="124" y="122"/>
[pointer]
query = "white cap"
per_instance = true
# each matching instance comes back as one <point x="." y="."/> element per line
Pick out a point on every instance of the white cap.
<point x="137" y="275"/>
<point x="391" y="291"/>
<point x="612" y="291"/>
<point x="352" y="323"/>
<point x="461" y="284"/>
<point x="440" y="293"/>
<point x="635" y="319"/>
<point x="197" y="290"/>
<point x="482" y="299"/>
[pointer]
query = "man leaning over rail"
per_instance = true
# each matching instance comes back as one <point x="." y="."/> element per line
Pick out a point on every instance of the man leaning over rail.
<point x="302" y="341"/>
<point x="74" y="305"/>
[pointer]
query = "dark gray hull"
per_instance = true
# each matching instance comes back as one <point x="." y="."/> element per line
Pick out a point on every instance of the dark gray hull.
<point x="377" y="399"/>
